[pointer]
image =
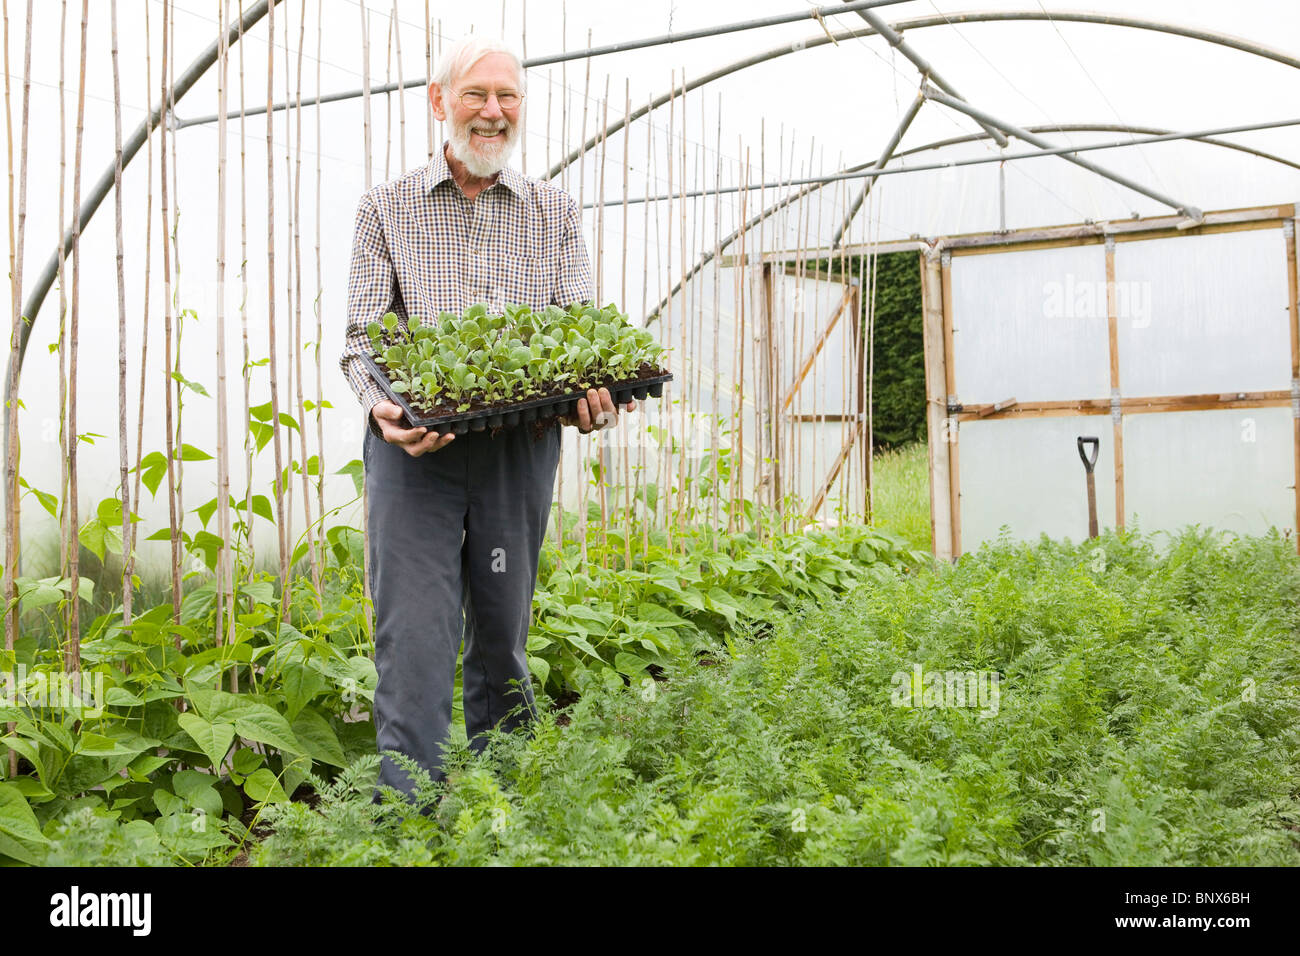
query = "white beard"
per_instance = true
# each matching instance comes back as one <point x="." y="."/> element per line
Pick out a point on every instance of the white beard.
<point x="493" y="156"/>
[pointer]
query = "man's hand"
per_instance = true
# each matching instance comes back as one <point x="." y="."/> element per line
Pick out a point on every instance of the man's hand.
<point x="606" y="414"/>
<point x="414" y="441"/>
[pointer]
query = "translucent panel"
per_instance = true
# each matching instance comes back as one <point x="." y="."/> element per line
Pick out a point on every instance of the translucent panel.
<point x="806" y="472"/>
<point x="1027" y="474"/>
<point x="804" y="310"/>
<point x="1031" y="325"/>
<point x="1203" y="314"/>
<point x="1228" y="468"/>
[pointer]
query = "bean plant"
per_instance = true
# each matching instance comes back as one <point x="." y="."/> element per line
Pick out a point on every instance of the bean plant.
<point x="483" y="359"/>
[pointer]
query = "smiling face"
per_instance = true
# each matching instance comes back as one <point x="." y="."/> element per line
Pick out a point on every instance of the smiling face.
<point x="481" y="139"/>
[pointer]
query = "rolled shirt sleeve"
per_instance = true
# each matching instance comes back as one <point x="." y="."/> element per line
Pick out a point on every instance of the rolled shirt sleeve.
<point x="372" y="282"/>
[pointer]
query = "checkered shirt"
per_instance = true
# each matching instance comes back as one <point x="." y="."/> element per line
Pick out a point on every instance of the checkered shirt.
<point x="421" y="248"/>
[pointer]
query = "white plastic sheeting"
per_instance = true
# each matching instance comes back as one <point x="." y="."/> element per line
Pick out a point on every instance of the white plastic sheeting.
<point x="1031" y="325"/>
<point x="1027" y="475"/>
<point x="1204" y="314"/>
<point x="1230" y="468"/>
<point x="1196" y="314"/>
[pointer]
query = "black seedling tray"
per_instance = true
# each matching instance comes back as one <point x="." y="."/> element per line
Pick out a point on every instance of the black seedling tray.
<point x="519" y="413"/>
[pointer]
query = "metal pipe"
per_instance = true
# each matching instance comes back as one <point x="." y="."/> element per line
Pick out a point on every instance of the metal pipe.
<point x="857" y="6"/>
<point x="928" y="72"/>
<point x="864" y="171"/>
<point x="1099" y="128"/>
<point x="707" y="257"/>
<point x="885" y="155"/>
<point x="920" y="23"/>
<point x="930" y="92"/>
<point x="916" y="23"/>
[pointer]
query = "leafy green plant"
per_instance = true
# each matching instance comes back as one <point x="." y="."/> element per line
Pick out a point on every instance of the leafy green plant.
<point x="480" y="359"/>
<point x="1124" y="735"/>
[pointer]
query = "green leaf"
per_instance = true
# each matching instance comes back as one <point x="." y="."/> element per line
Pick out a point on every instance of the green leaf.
<point x="199" y="790"/>
<point x="154" y="467"/>
<point x="262" y="508"/>
<point x="300" y="684"/>
<point x="193" y="386"/>
<point x="318" y="738"/>
<point x="246" y="760"/>
<point x="261" y="412"/>
<point x="658" y="614"/>
<point x="261" y="432"/>
<point x="48" y="501"/>
<point x="629" y="664"/>
<point x="213" y="739"/>
<point x="190" y="453"/>
<point x="539" y="668"/>
<point x="16" y="817"/>
<point x="262" y="787"/>
<point x="205" y="511"/>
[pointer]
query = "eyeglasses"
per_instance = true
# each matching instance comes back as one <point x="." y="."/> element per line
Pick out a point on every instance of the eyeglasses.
<point x="477" y="99"/>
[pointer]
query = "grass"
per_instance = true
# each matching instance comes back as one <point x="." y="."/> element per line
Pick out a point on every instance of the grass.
<point x="901" y="493"/>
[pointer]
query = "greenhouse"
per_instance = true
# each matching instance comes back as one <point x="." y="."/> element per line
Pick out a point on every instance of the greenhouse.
<point x="955" y="510"/>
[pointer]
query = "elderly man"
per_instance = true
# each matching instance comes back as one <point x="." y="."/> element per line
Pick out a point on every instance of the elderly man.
<point x="456" y="523"/>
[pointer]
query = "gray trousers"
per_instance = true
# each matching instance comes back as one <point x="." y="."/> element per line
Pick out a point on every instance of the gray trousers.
<point x="453" y="539"/>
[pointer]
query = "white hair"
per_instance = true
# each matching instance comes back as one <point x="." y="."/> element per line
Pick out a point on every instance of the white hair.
<point x="468" y="50"/>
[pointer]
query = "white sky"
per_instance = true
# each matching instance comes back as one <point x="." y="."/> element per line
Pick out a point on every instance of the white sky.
<point x="817" y="109"/>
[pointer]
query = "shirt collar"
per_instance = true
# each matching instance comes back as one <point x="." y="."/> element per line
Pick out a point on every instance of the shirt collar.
<point x="438" y="171"/>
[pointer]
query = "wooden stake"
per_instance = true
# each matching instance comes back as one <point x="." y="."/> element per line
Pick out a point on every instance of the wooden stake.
<point x="1117" y="415"/>
<point x="124" y="453"/>
<point x="314" y="556"/>
<point x="13" y="498"/>
<point x="273" y="365"/>
<point x="1293" y="315"/>
<point x="226" y="609"/>
<point x="950" y="373"/>
<point x="72" y="653"/>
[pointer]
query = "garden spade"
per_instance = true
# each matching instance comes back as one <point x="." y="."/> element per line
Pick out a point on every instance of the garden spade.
<point x="1088" y="464"/>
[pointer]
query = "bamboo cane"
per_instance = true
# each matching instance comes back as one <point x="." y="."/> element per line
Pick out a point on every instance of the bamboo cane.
<point x="664" y="458"/>
<point x="601" y="444"/>
<point x="523" y="42"/>
<point x="246" y="373"/>
<point x="741" y="274"/>
<point x="401" y="96"/>
<point x="72" y="654"/>
<point x="645" y="288"/>
<point x="714" y="437"/>
<point x="365" y="89"/>
<point x="64" y="536"/>
<point x="320" y="288"/>
<point x="273" y="365"/>
<point x="622" y="304"/>
<point x="428" y="71"/>
<point x="314" y="557"/>
<point x="583" y="484"/>
<point x="165" y="209"/>
<point x="123" y="449"/>
<point x="144" y="310"/>
<point x="225" y="562"/>
<point x="291" y="290"/>
<point x="388" y="97"/>
<point x="181" y="315"/>
<point x="684" y="321"/>
<point x="13" y="500"/>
